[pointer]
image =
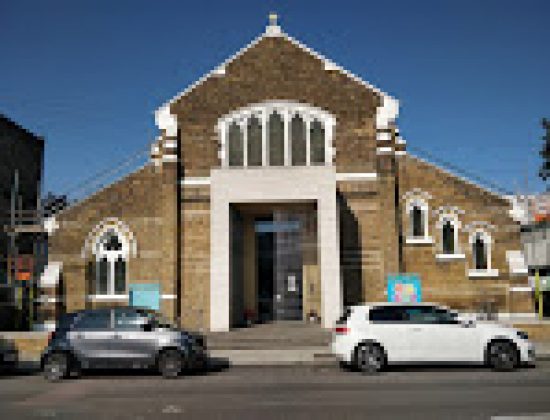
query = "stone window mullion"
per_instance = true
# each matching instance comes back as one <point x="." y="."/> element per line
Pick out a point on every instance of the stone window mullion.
<point x="225" y="149"/>
<point x="287" y="152"/>
<point x="264" y="138"/>
<point x="244" y="128"/>
<point x="328" y="142"/>
<point x="308" y="140"/>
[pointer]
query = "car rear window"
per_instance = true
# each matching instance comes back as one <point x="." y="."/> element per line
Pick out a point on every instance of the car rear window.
<point x="94" y="320"/>
<point x="387" y="314"/>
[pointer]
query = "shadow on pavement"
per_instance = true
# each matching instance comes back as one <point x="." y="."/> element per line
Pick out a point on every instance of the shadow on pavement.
<point x="214" y="365"/>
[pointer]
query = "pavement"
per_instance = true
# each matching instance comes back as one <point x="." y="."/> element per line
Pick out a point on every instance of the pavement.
<point x="318" y="355"/>
<point x="285" y="392"/>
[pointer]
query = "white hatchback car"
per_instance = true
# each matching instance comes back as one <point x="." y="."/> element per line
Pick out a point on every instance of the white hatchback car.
<point x="369" y="337"/>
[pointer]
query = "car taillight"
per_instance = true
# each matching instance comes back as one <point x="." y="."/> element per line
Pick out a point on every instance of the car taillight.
<point x="341" y="330"/>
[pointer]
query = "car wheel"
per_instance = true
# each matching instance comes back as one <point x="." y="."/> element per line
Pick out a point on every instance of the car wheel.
<point x="369" y="359"/>
<point x="503" y="356"/>
<point x="56" y="367"/>
<point x="170" y="364"/>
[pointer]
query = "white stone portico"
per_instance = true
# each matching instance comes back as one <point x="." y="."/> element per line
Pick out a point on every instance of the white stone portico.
<point x="269" y="185"/>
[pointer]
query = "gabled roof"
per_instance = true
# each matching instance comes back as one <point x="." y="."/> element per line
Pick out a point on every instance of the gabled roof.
<point x="387" y="112"/>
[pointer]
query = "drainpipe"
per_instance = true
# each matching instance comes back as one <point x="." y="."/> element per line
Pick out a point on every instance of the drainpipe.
<point x="179" y="287"/>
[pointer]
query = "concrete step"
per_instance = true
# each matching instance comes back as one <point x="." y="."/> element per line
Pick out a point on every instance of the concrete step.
<point x="271" y="336"/>
<point x="297" y="356"/>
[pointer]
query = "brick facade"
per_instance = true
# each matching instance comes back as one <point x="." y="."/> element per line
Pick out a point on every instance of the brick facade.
<point x="371" y="212"/>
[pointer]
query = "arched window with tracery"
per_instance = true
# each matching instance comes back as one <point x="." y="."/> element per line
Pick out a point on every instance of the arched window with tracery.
<point x="276" y="133"/>
<point x="448" y="237"/>
<point x="417" y="221"/>
<point x="111" y="259"/>
<point x="480" y="252"/>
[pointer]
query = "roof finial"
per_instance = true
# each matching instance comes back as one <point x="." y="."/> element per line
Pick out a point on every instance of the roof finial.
<point x="273" y="29"/>
<point x="273" y="19"/>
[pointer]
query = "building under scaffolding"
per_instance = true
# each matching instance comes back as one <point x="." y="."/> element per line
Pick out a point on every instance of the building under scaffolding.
<point x="23" y="243"/>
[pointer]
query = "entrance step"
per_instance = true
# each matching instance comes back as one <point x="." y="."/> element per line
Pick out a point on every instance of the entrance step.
<point x="270" y="357"/>
<point x="276" y="336"/>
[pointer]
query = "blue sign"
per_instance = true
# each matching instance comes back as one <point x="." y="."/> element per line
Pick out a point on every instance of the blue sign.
<point x="404" y="288"/>
<point x="145" y="295"/>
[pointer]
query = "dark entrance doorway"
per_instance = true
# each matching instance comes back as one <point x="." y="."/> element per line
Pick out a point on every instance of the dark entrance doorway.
<point x="279" y="266"/>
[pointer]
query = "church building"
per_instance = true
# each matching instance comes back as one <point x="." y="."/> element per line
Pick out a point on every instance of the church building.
<point x="279" y="188"/>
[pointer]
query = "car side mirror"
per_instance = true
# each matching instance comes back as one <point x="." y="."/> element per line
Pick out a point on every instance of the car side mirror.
<point x="148" y="327"/>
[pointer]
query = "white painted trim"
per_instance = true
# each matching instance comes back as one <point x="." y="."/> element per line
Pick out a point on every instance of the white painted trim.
<point x="169" y="158"/>
<point x="400" y="153"/>
<point x="383" y="136"/>
<point x="273" y="31"/>
<point x="50" y="224"/>
<point x="166" y="121"/>
<point x="493" y="272"/>
<point x="195" y="180"/>
<point x="521" y="289"/>
<point x="387" y="112"/>
<point x="170" y="144"/>
<point x="417" y="193"/>
<point x="356" y="176"/>
<point x="168" y="297"/>
<point x="112" y="297"/>
<point x="47" y="299"/>
<point x="520" y="272"/>
<point x="419" y="241"/>
<point x="450" y="257"/>
<point x="120" y="227"/>
<point x="219" y="71"/>
<point x="50" y="275"/>
<point x="384" y="150"/>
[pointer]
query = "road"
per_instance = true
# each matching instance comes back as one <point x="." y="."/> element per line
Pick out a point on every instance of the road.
<point x="282" y="392"/>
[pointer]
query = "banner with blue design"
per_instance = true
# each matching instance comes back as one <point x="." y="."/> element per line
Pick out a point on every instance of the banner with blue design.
<point x="404" y="288"/>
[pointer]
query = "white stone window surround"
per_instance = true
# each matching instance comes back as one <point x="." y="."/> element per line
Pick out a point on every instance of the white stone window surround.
<point x="457" y="254"/>
<point x="424" y="208"/>
<point x="112" y="256"/>
<point x="287" y="109"/>
<point x="487" y="241"/>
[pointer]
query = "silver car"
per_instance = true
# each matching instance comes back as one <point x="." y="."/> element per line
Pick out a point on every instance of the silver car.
<point x="121" y="337"/>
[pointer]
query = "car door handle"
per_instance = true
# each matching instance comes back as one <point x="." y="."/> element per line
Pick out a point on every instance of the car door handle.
<point x="417" y="329"/>
<point x="117" y="336"/>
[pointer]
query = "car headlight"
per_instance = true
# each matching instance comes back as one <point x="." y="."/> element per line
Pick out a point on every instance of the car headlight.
<point x="523" y="335"/>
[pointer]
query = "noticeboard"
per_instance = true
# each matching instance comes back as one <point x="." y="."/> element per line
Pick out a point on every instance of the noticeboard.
<point x="404" y="288"/>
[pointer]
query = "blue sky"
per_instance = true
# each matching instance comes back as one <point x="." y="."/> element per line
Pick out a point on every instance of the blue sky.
<point x="471" y="75"/>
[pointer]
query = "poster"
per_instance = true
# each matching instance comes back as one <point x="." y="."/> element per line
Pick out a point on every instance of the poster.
<point x="404" y="288"/>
